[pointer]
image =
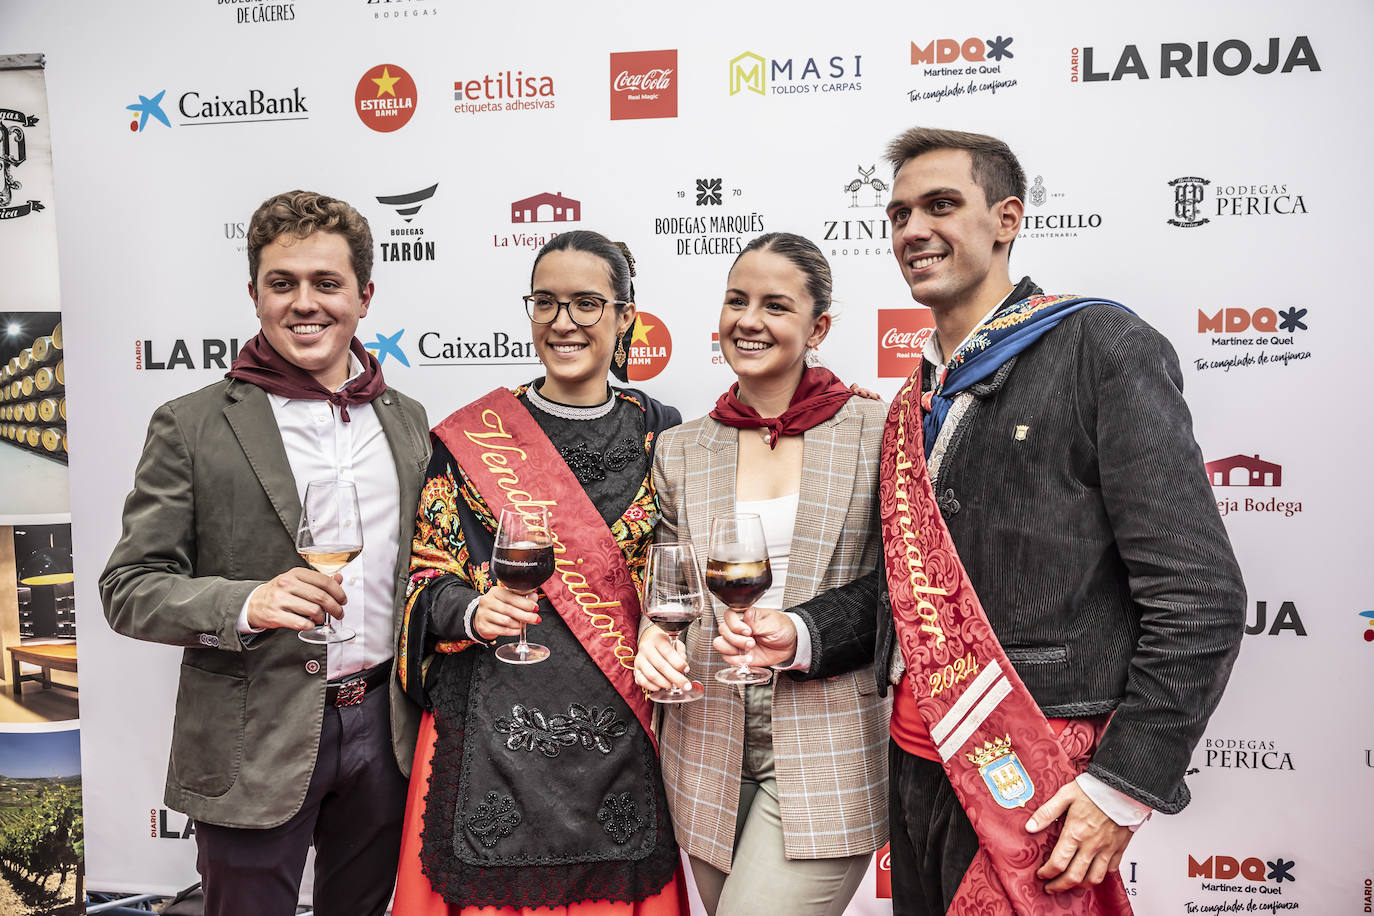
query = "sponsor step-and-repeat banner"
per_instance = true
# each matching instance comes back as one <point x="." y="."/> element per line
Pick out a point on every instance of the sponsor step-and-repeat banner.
<point x="1202" y="164"/>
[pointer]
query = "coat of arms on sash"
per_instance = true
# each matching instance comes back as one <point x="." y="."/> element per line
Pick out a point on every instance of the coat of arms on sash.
<point x="1007" y="779"/>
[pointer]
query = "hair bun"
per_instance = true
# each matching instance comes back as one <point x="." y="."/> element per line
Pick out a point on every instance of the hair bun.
<point x="629" y="258"/>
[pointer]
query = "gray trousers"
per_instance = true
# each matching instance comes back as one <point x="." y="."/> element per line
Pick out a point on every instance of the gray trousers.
<point x="352" y="812"/>
<point x="761" y="878"/>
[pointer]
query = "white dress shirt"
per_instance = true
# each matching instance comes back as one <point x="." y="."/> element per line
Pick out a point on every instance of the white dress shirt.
<point x="320" y="446"/>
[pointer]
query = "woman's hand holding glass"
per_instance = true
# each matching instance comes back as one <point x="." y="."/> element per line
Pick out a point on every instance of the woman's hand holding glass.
<point x="502" y="612"/>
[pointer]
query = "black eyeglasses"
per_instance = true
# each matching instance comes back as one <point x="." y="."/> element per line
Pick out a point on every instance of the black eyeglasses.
<point x="584" y="311"/>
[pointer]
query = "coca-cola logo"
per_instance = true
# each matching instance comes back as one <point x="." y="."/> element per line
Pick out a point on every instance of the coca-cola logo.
<point x="894" y="339"/>
<point x="657" y="78"/>
<point x="902" y="336"/>
<point x="883" y="875"/>
<point x="643" y="84"/>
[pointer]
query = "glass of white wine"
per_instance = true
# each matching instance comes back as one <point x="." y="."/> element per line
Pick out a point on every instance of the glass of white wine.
<point x="329" y="537"/>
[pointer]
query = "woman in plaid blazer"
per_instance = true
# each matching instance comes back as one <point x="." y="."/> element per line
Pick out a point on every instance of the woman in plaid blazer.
<point x="778" y="792"/>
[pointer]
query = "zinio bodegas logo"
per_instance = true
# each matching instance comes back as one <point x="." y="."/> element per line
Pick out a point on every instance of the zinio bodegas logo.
<point x="385" y="98"/>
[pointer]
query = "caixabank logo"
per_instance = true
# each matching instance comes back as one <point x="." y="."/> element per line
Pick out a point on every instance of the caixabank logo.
<point x="407" y="243"/>
<point x="204" y="108"/>
<point x="951" y="68"/>
<point x="1241" y="338"/>
<point x="1229" y="475"/>
<point x="1249" y="874"/>
<point x="806" y="76"/>
<point x="14" y="152"/>
<point x="385" y="98"/>
<point x="1198" y="201"/>
<point x="643" y="84"/>
<point x="1192" y="60"/>
<point x="902" y="337"/>
<point x="183" y="353"/>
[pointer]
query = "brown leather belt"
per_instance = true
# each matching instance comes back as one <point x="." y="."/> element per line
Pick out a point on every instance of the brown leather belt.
<point x="351" y="690"/>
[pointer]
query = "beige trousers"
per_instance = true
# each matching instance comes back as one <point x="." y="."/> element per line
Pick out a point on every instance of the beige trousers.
<point x="762" y="880"/>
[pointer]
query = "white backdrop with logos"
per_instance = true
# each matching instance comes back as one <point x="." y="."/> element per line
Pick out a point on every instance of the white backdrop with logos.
<point x="1199" y="163"/>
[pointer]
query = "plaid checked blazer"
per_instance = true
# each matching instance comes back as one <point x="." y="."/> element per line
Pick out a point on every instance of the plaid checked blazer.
<point x="830" y="735"/>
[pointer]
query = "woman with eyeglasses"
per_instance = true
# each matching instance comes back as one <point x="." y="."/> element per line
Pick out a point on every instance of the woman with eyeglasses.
<point x="778" y="791"/>
<point x="537" y="786"/>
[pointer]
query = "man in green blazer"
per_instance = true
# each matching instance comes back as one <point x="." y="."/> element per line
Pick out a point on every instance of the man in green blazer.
<point x="280" y="743"/>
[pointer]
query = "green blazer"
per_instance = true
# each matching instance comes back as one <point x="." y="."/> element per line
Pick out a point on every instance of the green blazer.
<point x="213" y="515"/>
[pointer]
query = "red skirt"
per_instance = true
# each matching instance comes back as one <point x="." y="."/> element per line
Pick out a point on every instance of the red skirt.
<point x="415" y="897"/>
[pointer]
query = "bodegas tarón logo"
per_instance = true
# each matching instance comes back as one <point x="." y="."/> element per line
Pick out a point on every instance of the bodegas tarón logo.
<point x="386" y="98"/>
<point x="408" y="242"/>
<point x="14" y="152"/>
<point x="1191" y="60"/>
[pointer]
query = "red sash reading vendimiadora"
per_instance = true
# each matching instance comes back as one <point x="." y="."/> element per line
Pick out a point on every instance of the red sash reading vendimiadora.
<point x="997" y="749"/>
<point x="512" y="464"/>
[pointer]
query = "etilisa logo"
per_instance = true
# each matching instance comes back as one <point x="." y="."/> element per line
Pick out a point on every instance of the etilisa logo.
<point x="716" y="232"/>
<point x="1061" y="223"/>
<point x="651" y="346"/>
<point x="643" y="84"/>
<point x="207" y="353"/>
<point x="545" y="207"/>
<point x="388" y="346"/>
<point x="1183" y="60"/>
<point x="14" y="152"/>
<point x="902" y="337"/>
<point x="385" y="98"/>
<point x="1278" y="337"/>
<point x="951" y="67"/>
<point x="753" y="73"/>
<point x="1195" y="206"/>
<point x="505" y="90"/>
<point x="407" y="243"/>
<point x="860" y="234"/>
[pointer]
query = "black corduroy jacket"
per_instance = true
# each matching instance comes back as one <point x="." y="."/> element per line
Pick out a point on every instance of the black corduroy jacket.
<point x="1093" y="542"/>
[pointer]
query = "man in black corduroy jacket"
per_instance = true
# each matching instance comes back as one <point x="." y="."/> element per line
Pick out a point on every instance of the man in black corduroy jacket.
<point x="1076" y="497"/>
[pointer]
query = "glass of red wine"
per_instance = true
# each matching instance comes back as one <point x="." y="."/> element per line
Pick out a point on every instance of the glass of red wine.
<point x="673" y="598"/>
<point x="738" y="573"/>
<point x="522" y="560"/>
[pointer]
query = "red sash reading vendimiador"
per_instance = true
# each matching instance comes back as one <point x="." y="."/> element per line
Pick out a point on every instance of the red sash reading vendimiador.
<point x="512" y="463"/>
<point x="998" y="751"/>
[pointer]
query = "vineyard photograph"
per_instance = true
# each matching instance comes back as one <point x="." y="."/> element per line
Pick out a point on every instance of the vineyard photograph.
<point x="41" y="869"/>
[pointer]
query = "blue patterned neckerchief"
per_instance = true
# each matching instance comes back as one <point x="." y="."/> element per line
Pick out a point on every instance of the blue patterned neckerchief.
<point x="991" y="344"/>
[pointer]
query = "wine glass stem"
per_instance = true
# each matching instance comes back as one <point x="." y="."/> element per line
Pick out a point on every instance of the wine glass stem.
<point x="675" y="690"/>
<point x="747" y="657"/>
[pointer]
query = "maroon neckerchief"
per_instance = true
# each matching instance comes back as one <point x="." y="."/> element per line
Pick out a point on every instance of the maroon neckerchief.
<point x="259" y="364"/>
<point x="818" y="398"/>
